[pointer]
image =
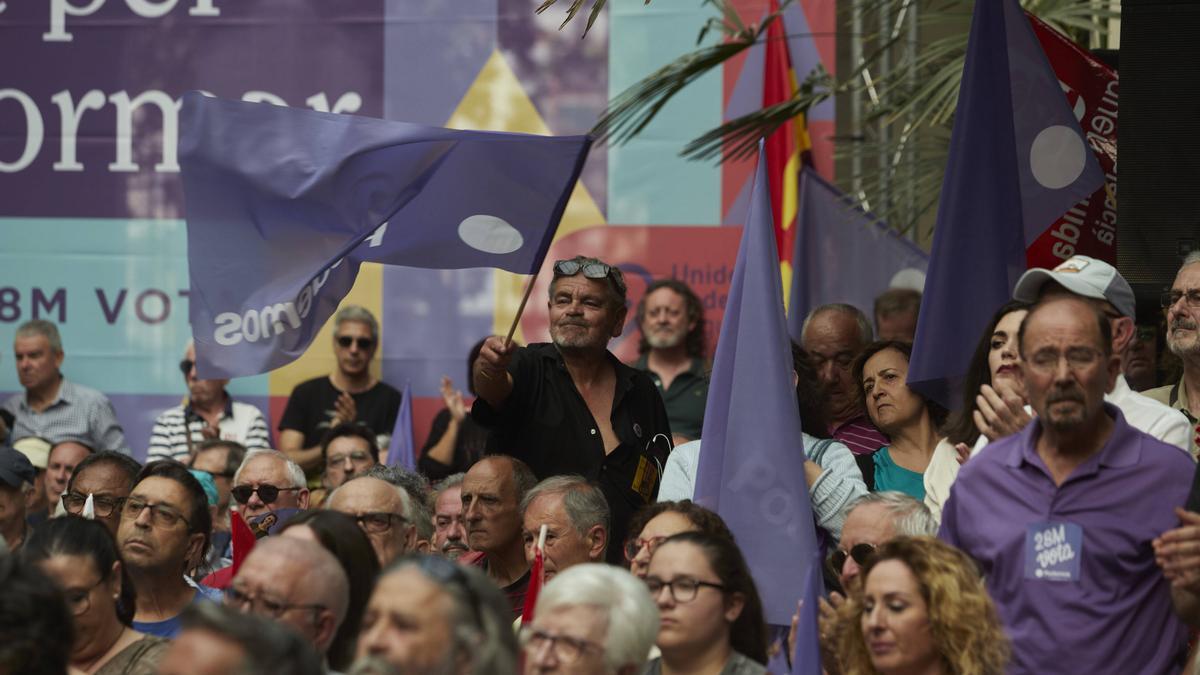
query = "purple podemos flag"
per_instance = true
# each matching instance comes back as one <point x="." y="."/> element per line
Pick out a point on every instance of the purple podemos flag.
<point x="283" y="206"/>
<point x="401" y="450"/>
<point x="751" y="468"/>
<point x="842" y="254"/>
<point x="1018" y="161"/>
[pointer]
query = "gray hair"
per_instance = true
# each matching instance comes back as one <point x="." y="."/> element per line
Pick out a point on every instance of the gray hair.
<point x="452" y="481"/>
<point x="416" y="487"/>
<point x="267" y="646"/>
<point x="357" y="313"/>
<point x="631" y="612"/>
<point x="1191" y="258"/>
<point x="912" y="518"/>
<point x="294" y="472"/>
<point x="43" y="328"/>
<point x="865" y="332"/>
<point x="584" y="503"/>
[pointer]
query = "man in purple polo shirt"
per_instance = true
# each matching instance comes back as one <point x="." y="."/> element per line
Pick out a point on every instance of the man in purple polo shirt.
<point x="1061" y="516"/>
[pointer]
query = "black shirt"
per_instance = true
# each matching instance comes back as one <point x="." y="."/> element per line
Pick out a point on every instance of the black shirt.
<point x="546" y="423"/>
<point x="468" y="447"/>
<point x="312" y="406"/>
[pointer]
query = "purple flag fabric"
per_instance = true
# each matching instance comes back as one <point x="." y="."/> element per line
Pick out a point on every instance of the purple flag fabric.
<point x="1018" y="161"/>
<point x="842" y="253"/>
<point x="751" y="468"/>
<point x="806" y="659"/>
<point x="283" y="205"/>
<point x="401" y="451"/>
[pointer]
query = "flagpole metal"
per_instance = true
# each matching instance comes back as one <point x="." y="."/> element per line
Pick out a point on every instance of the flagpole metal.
<point x="520" y="310"/>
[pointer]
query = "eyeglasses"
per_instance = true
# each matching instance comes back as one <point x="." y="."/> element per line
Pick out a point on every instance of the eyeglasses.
<point x="267" y="494"/>
<point x="1078" y="358"/>
<point x="378" y="522"/>
<point x="566" y="649"/>
<point x="261" y="605"/>
<point x="103" y="506"/>
<point x="160" y="515"/>
<point x="592" y="269"/>
<point x="80" y="601"/>
<point x="634" y="546"/>
<point x="357" y="457"/>
<point x="861" y="553"/>
<point x="185" y="367"/>
<point x="1169" y="298"/>
<point x="364" y="343"/>
<point x="682" y="589"/>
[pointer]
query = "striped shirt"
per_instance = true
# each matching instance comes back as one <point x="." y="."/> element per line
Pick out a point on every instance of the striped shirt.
<point x="859" y="435"/>
<point x="240" y="422"/>
<point x="77" y="413"/>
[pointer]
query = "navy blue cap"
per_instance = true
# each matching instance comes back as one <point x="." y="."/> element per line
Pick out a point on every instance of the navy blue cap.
<point x="15" y="467"/>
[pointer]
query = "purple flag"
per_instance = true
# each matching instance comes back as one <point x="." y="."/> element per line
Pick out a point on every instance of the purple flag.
<point x="284" y="204"/>
<point x="806" y="659"/>
<point x="751" y="468"/>
<point x="842" y="253"/>
<point x="1017" y="162"/>
<point x="401" y="450"/>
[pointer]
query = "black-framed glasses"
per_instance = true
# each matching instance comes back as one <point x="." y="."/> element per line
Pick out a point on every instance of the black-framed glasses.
<point x="364" y="343"/>
<point x="592" y="269"/>
<point x="357" y="457"/>
<point x="634" y="546"/>
<point x="267" y="494"/>
<point x="1168" y="298"/>
<point x="262" y="605"/>
<point x="161" y="515"/>
<point x="185" y="367"/>
<point x="861" y="553"/>
<point x="566" y="649"/>
<point x="80" y="601"/>
<point x="102" y="506"/>
<point x="377" y="522"/>
<point x="683" y="589"/>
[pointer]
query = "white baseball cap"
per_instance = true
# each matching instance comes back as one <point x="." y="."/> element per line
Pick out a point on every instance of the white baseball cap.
<point x="1084" y="276"/>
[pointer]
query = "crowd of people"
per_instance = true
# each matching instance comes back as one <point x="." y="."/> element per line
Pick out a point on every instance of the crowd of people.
<point x="1047" y="524"/>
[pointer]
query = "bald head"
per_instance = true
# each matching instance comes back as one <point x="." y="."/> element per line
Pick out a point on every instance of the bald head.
<point x="302" y="575"/>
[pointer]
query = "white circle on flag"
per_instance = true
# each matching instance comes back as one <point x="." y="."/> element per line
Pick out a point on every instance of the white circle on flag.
<point x="1057" y="157"/>
<point x="490" y="234"/>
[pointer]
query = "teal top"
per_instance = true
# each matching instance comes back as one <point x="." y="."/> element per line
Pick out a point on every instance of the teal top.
<point x="891" y="476"/>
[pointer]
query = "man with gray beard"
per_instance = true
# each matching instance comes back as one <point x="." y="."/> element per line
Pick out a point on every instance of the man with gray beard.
<point x="671" y="319"/>
<point x="1182" y="304"/>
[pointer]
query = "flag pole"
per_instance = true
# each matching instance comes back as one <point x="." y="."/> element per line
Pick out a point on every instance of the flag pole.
<point x="521" y="309"/>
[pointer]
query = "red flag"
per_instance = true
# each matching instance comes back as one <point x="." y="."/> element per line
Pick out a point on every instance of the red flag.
<point x="787" y="148"/>
<point x="243" y="540"/>
<point x="537" y="577"/>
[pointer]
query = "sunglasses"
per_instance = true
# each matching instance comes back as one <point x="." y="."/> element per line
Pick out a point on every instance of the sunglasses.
<point x="185" y="366"/>
<point x="266" y="493"/>
<point x="364" y="344"/>
<point x="860" y="552"/>
<point x="592" y="269"/>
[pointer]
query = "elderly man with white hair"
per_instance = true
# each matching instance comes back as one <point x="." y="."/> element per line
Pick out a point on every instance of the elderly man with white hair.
<point x="296" y="583"/>
<point x="384" y="512"/>
<point x="266" y="482"/>
<point x="592" y="619"/>
<point x="575" y="515"/>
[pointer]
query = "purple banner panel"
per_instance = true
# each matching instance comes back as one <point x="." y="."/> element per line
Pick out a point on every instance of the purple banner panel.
<point x="90" y="96"/>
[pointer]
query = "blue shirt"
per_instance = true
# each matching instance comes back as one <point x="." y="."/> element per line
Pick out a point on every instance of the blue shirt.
<point x="891" y="476"/>
<point x="1115" y="615"/>
<point x="170" y="627"/>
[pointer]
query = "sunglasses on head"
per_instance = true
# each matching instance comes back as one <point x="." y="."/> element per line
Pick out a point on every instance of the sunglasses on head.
<point x="860" y="552"/>
<point x="592" y="269"/>
<point x="364" y="343"/>
<point x="266" y="493"/>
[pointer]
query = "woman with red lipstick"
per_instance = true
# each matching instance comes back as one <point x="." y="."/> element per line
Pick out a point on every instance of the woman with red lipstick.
<point x="993" y="384"/>
<point x="711" y="618"/>
<point x="922" y="610"/>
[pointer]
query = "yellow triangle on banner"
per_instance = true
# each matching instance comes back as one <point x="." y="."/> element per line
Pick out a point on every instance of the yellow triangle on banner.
<point x="496" y="101"/>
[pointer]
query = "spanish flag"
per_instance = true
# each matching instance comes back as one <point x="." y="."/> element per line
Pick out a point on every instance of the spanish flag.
<point x="788" y="148"/>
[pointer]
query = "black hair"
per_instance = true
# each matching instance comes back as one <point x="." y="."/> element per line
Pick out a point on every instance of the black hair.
<point x="810" y="395"/>
<point x="234" y="455"/>
<point x="937" y="412"/>
<point x="352" y="430"/>
<point x="961" y="426"/>
<point x="126" y="465"/>
<point x="36" y="632"/>
<point x="341" y="536"/>
<point x="75" y="536"/>
<point x="199" y="517"/>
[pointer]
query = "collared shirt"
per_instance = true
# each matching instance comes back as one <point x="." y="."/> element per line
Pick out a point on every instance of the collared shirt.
<point x="77" y="413"/>
<point x="685" y="399"/>
<point x="1150" y="416"/>
<point x="1117" y="616"/>
<point x="860" y="435"/>
<point x="240" y="422"/>
<point x="1176" y="396"/>
<point x="546" y="423"/>
<point x="515" y="592"/>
